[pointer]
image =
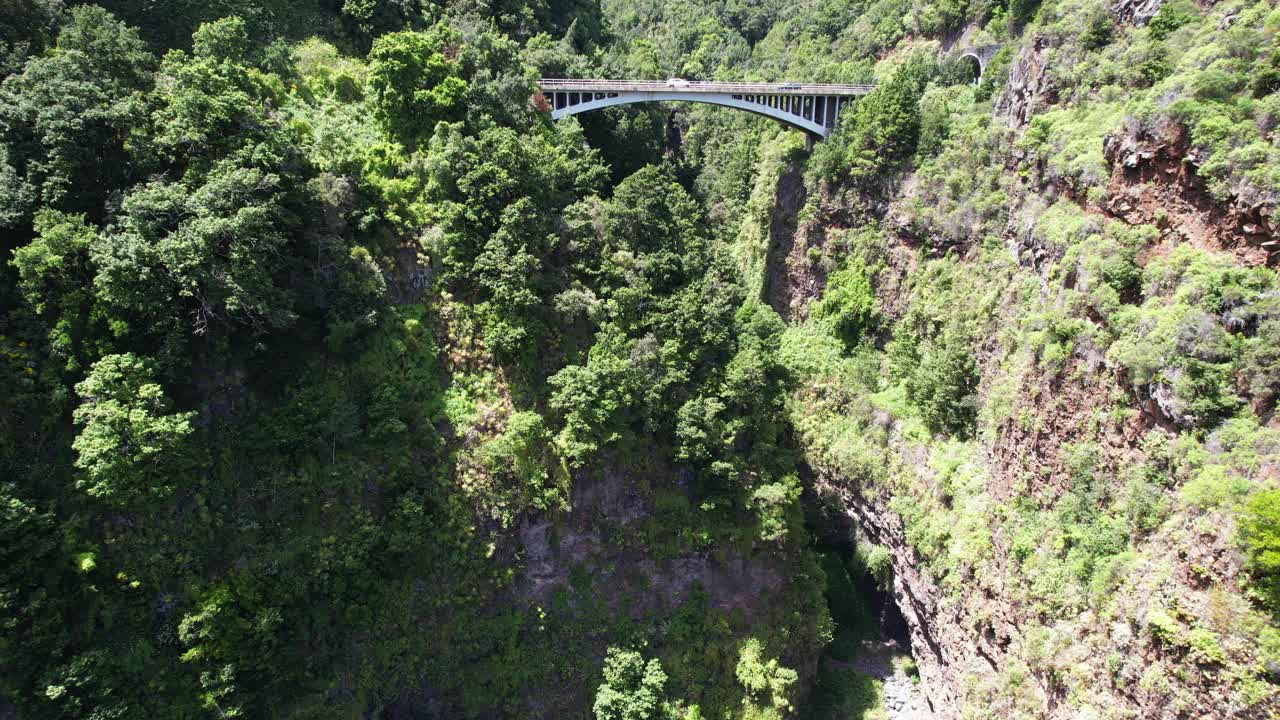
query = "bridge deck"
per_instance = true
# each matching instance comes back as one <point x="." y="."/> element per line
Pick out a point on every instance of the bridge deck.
<point x="699" y="86"/>
<point x="812" y="107"/>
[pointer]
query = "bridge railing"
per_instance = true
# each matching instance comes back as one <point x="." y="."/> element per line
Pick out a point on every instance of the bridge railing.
<point x="694" y="86"/>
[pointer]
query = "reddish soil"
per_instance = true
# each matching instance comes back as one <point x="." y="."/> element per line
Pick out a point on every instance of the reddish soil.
<point x="1154" y="181"/>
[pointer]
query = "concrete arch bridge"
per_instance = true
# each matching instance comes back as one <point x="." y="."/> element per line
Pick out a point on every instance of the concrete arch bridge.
<point x="812" y="107"/>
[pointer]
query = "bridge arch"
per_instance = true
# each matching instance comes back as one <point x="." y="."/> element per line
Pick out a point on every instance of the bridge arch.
<point x="743" y="102"/>
<point x="812" y="108"/>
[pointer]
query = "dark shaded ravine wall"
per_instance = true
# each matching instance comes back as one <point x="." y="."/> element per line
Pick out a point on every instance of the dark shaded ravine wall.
<point x="934" y="632"/>
<point x="789" y="276"/>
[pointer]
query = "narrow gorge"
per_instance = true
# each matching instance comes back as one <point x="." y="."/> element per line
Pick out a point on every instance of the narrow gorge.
<point x="870" y="360"/>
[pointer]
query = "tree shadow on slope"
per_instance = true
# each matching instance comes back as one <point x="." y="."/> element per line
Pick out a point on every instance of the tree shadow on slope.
<point x="865" y="644"/>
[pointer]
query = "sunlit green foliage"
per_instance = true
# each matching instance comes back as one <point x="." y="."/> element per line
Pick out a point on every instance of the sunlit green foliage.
<point x="881" y="128"/>
<point x="519" y="462"/>
<point x="632" y="688"/>
<point x="768" y="683"/>
<point x="849" y="304"/>
<point x="414" y="84"/>
<point x="1180" y="348"/>
<point x="1260" y="530"/>
<point x="130" y="447"/>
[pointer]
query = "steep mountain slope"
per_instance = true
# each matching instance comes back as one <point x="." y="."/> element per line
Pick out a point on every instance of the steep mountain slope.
<point x="1066" y="443"/>
<point x="341" y="382"/>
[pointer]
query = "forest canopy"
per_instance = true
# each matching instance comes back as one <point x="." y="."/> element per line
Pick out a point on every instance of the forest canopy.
<point x="342" y="381"/>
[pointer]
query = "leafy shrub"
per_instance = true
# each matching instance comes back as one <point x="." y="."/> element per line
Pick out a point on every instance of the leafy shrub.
<point x="936" y="106"/>
<point x="846" y="693"/>
<point x="1146" y="505"/>
<point x="878" y="562"/>
<point x="518" y="469"/>
<point x="1261" y="362"/>
<point x="1021" y="11"/>
<point x="772" y="503"/>
<point x="1163" y="626"/>
<point x="847" y="606"/>
<point x="1170" y="17"/>
<point x="943" y="386"/>
<point x="849" y="305"/>
<point x="1108" y="574"/>
<point x="1212" y="487"/>
<point x="1205" y="646"/>
<point x="1099" y="29"/>
<point x="1184" y="345"/>
<point x="632" y="688"/>
<point x="1155" y="66"/>
<point x="592" y="397"/>
<point x="1260" y="534"/>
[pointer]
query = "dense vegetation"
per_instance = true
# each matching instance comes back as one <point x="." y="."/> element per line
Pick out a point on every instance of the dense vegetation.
<point x="316" y="329"/>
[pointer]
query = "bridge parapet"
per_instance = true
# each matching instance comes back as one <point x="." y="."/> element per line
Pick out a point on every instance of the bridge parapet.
<point x="812" y="107"/>
<point x="703" y="86"/>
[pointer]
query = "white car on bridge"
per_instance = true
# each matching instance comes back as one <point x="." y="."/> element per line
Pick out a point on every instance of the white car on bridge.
<point x="677" y="83"/>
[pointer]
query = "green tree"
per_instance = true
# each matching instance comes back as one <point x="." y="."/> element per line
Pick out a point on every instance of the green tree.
<point x="593" y="398"/>
<point x="767" y="682"/>
<point x="26" y="28"/>
<point x="849" y="304"/>
<point x="652" y="216"/>
<point x="131" y="448"/>
<point x="35" y="592"/>
<point x="881" y="129"/>
<point x="632" y="688"/>
<point x="216" y="247"/>
<point x="944" y="386"/>
<point x="773" y="504"/>
<point x="496" y="198"/>
<point x="1260" y="532"/>
<point x="225" y="39"/>
<point x="56" y="277"/>
<point x="213" y="107"/>
<point x="67" y="117"/>
<point x="415" y="81"/>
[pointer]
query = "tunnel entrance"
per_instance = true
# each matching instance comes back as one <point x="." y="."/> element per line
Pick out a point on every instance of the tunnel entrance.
<point x="973" y="66"/>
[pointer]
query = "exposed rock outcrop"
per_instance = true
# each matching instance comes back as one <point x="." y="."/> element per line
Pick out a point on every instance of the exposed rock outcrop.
<point x="1030" y="89"/>
<point x="1135" y="12"/>
<point x="1155" y="180"/>
<point x="617" y="501"/>
<point x="793" y="278"/>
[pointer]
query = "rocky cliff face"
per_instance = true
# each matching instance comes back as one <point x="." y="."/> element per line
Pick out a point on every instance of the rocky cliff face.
<point x="607" y="542"/>
<point x="1030" y="88"/>
<point x="988" y="536"/>
<point x="792" y="278"/>
<point x="938" y="644"/>
<point x="1155" y="180"/>
<point x="987" y="647"/>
